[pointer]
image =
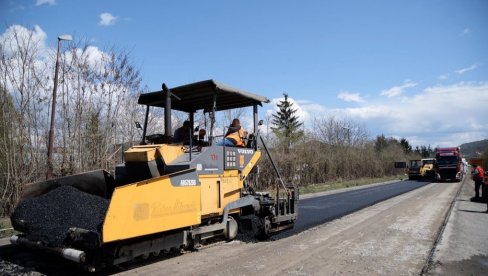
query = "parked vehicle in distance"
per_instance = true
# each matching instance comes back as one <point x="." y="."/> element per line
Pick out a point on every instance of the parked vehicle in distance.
<point x="448" y="165"/>
<point x="414" y="169"/>
<point x="427" y="170"/>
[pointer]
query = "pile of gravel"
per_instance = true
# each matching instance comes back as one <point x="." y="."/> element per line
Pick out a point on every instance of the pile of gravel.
<point x="48" y="217"/>
<point x="249" y="229"/>
<point x="7" y="268"/>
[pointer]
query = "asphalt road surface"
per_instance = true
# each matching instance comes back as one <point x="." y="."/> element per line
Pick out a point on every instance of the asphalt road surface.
<point x="312" y="212"/>
<point x="392" y="237"/>
<point x="318" y="210"/>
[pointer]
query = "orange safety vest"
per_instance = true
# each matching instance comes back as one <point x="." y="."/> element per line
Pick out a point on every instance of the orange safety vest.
<point x="480" y="172"/>
<point x="237" y="136"/>
<point x="481" y="175"/>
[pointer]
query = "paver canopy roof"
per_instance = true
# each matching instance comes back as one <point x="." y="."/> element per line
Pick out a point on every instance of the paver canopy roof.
<point x="200" y="95"/>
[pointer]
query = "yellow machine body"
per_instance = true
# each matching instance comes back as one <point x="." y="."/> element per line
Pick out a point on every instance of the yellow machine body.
<point x="155" y="205"/>
<point x="218" y="191"/>
<point x="427" y="168"/>
<point x="151" y="152"/>
<point x="173" y="201"/>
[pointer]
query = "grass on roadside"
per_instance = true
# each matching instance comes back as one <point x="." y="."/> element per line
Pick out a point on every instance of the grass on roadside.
<point x="338" y="184"/>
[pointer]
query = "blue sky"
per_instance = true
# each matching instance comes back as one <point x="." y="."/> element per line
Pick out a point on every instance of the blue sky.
<point x="413" y="69"/>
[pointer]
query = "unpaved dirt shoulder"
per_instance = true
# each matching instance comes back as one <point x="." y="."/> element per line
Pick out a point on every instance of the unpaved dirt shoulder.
<point x="390" y="238"/>
<point x="463" y="247"/>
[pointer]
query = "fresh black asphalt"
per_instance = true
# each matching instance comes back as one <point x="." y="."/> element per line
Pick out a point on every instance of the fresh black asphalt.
<point x="48" y="217"/>
<point x="318" y="210"/>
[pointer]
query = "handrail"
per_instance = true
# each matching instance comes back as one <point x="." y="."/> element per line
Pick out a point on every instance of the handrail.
<point x="272" y="163"/>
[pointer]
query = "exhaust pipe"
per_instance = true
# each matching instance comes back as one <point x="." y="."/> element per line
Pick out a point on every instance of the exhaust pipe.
<point x="71" y="254"/>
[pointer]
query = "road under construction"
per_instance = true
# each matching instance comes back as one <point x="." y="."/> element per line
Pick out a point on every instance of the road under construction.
<point x="168" y="202"/>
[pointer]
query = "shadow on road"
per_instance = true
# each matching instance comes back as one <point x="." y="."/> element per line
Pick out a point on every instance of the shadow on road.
<point x="478" y="199"/>
<point x="473" y="211"/>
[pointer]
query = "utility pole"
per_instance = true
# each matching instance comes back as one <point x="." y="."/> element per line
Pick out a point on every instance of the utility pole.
<point x="49" y="173"/>
<point x="348" y="131"/>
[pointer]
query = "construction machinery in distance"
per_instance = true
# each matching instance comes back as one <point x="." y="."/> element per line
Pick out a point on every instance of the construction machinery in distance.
<point x="421" y="169"/>
<point x="427" y="170"/>
<point x="171" y="196"/>
<point x="414" y="169"/>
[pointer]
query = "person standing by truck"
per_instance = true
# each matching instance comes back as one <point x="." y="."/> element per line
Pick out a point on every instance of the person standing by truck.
<point x="477" y="175"/>
<point x="485" y="187"/>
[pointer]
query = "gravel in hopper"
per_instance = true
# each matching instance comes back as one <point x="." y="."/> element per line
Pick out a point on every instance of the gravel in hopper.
<point x="48" y="217"/>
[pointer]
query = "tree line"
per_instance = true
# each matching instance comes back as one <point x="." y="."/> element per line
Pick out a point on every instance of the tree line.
<point x="333" y="149"/>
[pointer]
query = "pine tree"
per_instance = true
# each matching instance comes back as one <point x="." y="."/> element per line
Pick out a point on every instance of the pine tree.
<point x="287" y="125"/>
<point x="380" y="143"/>
<point x="407" y="148"/>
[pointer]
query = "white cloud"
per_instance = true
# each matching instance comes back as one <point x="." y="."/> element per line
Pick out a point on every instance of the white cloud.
<point x="443" y="77"/>
<point x="443" y="115"/>
<point x="94" y="56"/>
<point x="35" y="36"/>
<point x="107" y="19"/>
<point x="350" y="97"/>
<point x="465" y="32"/>
<point x="16" y="37"/>
<point x="467" y="69"/>
<point x="17" y="8"/>
<point x="45" y="2"/>
<point x="397" y="90"/>
<point x="439" y="115"/>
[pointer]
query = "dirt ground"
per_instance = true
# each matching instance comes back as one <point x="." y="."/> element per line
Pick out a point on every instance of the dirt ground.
<point x="393" y="237"/>
<point x="463" y="248"/>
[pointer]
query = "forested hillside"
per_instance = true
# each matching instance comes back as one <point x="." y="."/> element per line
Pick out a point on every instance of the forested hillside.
<point x="474" y="149"/>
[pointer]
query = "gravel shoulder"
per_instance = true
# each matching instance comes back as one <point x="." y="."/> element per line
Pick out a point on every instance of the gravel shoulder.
<point x="463" y="247"/>
<point x="393" y="237"/>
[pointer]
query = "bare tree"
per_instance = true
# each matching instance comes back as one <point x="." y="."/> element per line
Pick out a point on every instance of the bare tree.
<point x="96" y="93"/>
<point x="98" y="100"/>
<point x="334" y="131"/>
<point x="22" y="79"/>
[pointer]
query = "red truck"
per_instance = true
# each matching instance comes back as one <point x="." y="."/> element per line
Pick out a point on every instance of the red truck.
<point x="448" y="164"/>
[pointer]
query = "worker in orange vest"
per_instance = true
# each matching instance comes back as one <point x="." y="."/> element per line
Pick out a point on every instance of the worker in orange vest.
<point x="477" y="174"/>
<point x="485" y="189"/>
<point x="235" y="136"/>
